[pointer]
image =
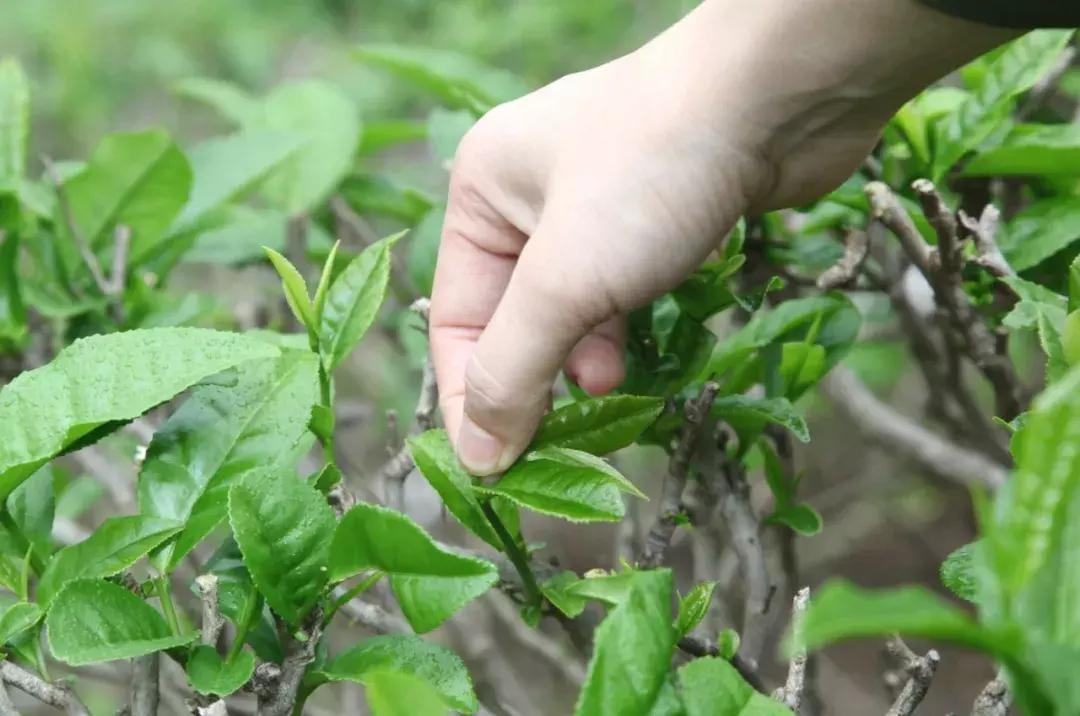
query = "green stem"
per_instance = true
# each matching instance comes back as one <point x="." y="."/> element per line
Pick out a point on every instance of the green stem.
<point x="252" y="611"/>
<point x="164" y="592"/>
<point x="349" y="595"/>
<point x="326" y="393"/>
<point x="517" y="555"/>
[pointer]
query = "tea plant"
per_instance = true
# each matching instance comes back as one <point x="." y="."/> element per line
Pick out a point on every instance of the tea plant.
<point x="244" y="500"/>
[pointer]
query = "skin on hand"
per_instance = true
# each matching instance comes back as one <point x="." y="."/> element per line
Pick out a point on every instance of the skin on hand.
<point x="591" y="197"/>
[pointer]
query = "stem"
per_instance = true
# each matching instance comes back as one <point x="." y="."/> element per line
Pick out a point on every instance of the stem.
<point x="326" y="392"/>
<point x="517" y="555"/>
<point x="164" y="591"/>
<point x="247" y="620"/>
<point x="350" y="594"/>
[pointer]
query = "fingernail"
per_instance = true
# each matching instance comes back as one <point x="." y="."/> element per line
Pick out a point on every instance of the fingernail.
<point x="480" y="451"/>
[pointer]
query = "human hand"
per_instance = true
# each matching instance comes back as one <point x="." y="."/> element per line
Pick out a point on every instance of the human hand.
<point x="589" y="198"/>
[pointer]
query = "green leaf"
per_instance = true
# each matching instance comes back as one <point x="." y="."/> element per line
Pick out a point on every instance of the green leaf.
<point x="140" y="180"/>
<point x="1041" y="231"/>
<point x="710" y="686"/>
<point x="283" y="527"/>
<point x="353" y="301"/>
<point x="1070" y="339"/>
<point x="319" y="300"/>
<point x="599" y="425"/>
<point x="253" y="420"/>
<point x="1031" y="149"/>
<point x="436" y="666"/>
<point x="113" y="547"/>
<point x="747" y="414"/>
<point x="32" y="506"/>
<point x="229" y="100"/>
<point x="14" y="122"/>
<point x="1033" y="513"/>
<point x="18" y="618"/>
<point x="459" y="81"/>
<point x="556" y="591"/>
<point x="380" y="135"/>
<point x="843" y="611"/>
<point x="94" y="621"/>
<point x="693" y="607"/>
<point x="228" y="168"/>
<point x="393" y="693"/>
<point x="632" y="652"/>
<point x="329" y="122"/>
<point x="802" y="518"/>
<point x="12" y="305"/>
<point x="565" y="483"/>
<point x="1014" y="71"/>
<point x="241" y="602"/>
<point x="295" y="288"/>
<point x="438" y="463"/>
<point x="99" y="382"/>
<point x="610" y="588"/>
<point x="958" y="573"/>
<point x="430" y="582"/>
<point x="210" y="674"/>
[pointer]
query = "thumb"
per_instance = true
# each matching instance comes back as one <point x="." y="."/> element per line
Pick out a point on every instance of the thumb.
<point x="548" y="306"/>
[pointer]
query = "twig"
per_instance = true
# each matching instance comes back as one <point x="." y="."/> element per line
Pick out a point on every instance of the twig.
<point x="791" y="693"/>
<point x="897" y="433"/>
<point x="994" y="700"/>
<point x="944" y="223"/>
<point x="671" y="505"/>
<point x="566" y="665"/>
<point x="1047" y="85"/>
<point x="920" y="671"/>
<point x="145" y="692"/>
<point x="845" y="271"/>
<point x="885" y="208"/>
<point x="212" y="621"/>
<point x="59" y="697"/>
<point x="374" y="618"/>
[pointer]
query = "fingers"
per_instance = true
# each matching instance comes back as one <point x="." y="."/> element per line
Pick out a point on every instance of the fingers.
<point x="544" y="313"/>
<point x="597" y="362"/>
<point x="476" y="259"/>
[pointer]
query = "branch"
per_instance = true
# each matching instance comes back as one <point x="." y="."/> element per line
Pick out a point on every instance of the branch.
<point x="374" y="618"/>
<point x="994" y="700"/>
<point x="944" y="223"/>
<point x="278" y="687"/>
<point x="145" y="693"/>
<point x="85" y="250"/>
<point x="212" y="621"/>
<point x="791" y="693"/>
<point x="731" y="493"/>
<point x="846" y="270"/>
<point x="920" y="670"/>
<point x="897" y="433"/>
<point x="671" y="505"/>
<point x="885" y="208"/>
<point x="984" y="232"/>
<point x="60" y="697"/>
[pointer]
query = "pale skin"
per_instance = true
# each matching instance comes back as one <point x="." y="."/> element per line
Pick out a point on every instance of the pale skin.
<point x="592" y="196"/>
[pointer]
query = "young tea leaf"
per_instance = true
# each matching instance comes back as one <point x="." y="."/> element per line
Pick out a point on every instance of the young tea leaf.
<point x="295" y="288"/>
<point x="98" y="383"/>
<point x="93" y="621"/>
<point x="958" y="573"/>
<point x="353" y="301"/>
<point x="693" y="607"/>
<point x="283" y="527"/>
